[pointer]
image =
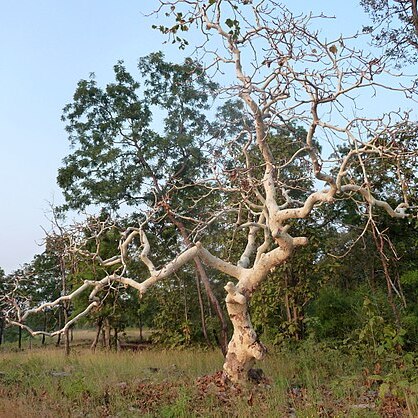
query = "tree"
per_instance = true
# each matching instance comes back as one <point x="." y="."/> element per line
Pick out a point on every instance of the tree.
<point x="120" y="159"/>
<point x="3" y="304"/>
<point x="396" y="27"/>
<point x="286" y="76"/>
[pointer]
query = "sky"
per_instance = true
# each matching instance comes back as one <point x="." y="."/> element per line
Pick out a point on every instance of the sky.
<point x="46" y="47"/>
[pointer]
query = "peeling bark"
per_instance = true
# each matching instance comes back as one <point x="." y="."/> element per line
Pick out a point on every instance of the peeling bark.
<point x="244" y="348"/>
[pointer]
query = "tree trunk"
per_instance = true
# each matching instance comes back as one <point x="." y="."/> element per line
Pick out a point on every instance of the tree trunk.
<point x="202" y="311"/>
<point x="206" y="283"/>
<point x="116" y="338"/>
<point x="97" y="337"/>
<point x="106" y="334"/>
<point x="296" y="321"/>
<point x="223" y="342"/>
<point x="141" y="327"/>
<point x="59" y="327"/>
<point x="44" y="328"/>
<point x="19" y="343"/>
<point x="1" y="330"/>
<point x="244" y="348"/>
<point x="286" y="299"/>
<point x="67" y="331"/>
<point x="67" y="342"/>
<point x="380" y="244"/>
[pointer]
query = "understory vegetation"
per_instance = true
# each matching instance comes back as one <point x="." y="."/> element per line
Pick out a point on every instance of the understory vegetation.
<point x="305" y="380"/>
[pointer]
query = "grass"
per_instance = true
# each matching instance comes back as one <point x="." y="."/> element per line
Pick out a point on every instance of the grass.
<point x="313" y="382"/>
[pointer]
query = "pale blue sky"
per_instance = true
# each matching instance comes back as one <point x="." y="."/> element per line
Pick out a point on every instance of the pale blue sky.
<point x="46" y="46"/>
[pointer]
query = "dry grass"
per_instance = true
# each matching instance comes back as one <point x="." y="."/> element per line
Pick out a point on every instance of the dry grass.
<point x="87" y="335"/>
<point x="158" y="383"/>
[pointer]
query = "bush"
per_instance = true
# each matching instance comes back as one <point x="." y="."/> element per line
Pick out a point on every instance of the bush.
<point x="334" y="314"/>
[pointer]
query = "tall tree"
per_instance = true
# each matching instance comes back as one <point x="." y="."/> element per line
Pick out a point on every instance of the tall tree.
<point x="286" y="75"/>
<point x="119" y="157"/>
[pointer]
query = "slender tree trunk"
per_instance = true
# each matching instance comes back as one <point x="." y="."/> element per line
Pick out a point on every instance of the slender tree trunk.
<point x="106" y="334"/>
<point x="380" y="244"/>
<point x="67" y="342"/>
<point x="186" y="329"/>
<point x="116" y="339"/>
<point x="202" y="273"/>
<point x="59" y="327"/>
<point x="141" y="327"/>
<point x="286" y="299"/>
<point x="97" y="337"/>
<point x="19" y="343"/>
<point x="65" y="307"/>
<point x="202" y="311"/>
<point x="1" y="330"/>
<point x="206" y="283"/>
<point x="44" y="328"/>
<point x="223" y="341"/>
<point x="67" y="331"/>
<point x="389" y="285"/>
<point x="296" y="322"/>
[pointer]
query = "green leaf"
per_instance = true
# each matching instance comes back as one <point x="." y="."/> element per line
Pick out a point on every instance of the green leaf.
<point x="229" y="23"/>
<point x="384" y="390"/>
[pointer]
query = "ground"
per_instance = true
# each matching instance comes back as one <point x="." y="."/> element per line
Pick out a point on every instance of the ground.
<point x="308" y="382"/>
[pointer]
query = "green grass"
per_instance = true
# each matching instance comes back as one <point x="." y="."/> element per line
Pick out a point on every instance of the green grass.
<point x="308" y="382"/>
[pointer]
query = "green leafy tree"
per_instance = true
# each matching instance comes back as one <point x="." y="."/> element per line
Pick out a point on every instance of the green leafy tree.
<point x="396" y="27"/>
<point x="120" y="159"/>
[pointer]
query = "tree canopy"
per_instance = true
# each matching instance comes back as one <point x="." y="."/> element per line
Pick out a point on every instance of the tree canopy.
<point x="395" y="27"/>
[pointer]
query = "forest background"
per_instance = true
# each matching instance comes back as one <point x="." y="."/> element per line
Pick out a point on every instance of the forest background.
<point x="353" y="287"/>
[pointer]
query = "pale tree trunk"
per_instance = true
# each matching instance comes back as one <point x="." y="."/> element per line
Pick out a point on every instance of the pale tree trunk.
<point x="244" y="348"/>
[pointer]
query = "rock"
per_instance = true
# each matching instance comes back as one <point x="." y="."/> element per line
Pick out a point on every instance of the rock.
<point x="363" y="406"/>
<point x="60" y="374"/>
